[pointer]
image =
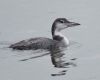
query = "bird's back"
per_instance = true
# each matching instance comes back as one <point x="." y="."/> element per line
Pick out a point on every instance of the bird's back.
<point x="35" y="43"/>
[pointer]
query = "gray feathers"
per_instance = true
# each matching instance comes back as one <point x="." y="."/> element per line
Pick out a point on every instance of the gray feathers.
<point x="35" y="43"/>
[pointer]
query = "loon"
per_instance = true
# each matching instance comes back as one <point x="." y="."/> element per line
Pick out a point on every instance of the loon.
<point x="58" y="40"/>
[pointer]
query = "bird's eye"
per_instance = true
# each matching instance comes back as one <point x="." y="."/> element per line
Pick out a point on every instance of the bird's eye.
<point x="62" y="21"/>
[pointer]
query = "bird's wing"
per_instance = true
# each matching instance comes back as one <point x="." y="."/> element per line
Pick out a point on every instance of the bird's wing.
<point x="39" y="42"/>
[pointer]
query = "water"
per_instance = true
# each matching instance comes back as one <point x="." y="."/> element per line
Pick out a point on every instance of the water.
<point x="23" y="19"/>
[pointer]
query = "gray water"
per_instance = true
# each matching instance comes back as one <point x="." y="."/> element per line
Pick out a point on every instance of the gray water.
<point x="23" y="19"/>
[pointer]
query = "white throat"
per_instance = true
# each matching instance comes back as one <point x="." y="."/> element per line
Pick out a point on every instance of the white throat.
<point x="65" y="40"/>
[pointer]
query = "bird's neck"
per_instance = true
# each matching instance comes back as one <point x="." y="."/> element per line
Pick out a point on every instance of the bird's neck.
<point x="60" y="37"/>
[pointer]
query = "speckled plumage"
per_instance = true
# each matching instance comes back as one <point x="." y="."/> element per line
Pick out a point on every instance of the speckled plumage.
<point x="36" y="43"/>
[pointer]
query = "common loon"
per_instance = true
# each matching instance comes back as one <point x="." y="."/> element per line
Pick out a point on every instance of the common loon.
<point x="58" y="40"/>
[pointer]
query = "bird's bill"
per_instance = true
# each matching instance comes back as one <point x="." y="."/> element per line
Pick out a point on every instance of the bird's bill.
<point x="72" y="24"/>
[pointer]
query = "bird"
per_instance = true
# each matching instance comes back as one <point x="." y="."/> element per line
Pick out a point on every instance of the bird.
<point x="57" y="40"/>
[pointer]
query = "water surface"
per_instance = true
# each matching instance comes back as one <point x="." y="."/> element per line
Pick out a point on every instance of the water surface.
<point x="23" y="19"/>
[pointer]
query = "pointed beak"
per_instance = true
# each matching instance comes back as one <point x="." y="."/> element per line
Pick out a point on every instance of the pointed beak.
<point x="72" y="24"/>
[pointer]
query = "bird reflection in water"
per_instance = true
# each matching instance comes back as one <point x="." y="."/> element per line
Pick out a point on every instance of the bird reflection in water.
<point x="58" y="60"/>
